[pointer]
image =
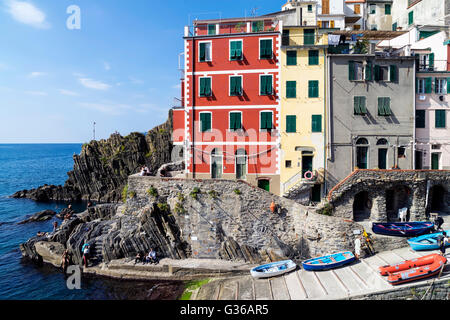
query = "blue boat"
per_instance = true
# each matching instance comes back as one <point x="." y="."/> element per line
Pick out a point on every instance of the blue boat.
<point x="329" y="262"/>
<point x="402" y="229"/>
<point x="426" y="241"/>
<point x="273" y="269"/>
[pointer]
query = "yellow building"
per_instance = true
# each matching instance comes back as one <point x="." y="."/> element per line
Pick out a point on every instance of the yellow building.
<point x="303" y="117"/>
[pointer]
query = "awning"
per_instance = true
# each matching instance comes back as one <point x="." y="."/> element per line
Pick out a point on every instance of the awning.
<point x="370" y="34"/>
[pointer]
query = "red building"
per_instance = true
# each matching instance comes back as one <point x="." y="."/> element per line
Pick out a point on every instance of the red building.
<point x="229" y="119"/>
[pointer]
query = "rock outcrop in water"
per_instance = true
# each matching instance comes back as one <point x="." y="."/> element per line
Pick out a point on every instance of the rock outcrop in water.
<point x="101" y="170"/>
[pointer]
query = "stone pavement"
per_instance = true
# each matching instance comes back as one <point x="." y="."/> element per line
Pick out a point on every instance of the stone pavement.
<point x="359" y="278"/>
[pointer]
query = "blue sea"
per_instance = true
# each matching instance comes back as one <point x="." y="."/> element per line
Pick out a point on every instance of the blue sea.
<point x="27" y="166"/>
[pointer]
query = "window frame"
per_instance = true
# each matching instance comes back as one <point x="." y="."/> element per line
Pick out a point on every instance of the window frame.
<point x="200" y="86"/>
<point x="242" y="49"/>
<point x="200" y="121"/>
<point x="260" y="84"/>
<point x="229" y="85"/>
<point x="210" y="51"/>
<point x="260" y="122"/>
<point x="271" y="48"/>
<point x="311" y="87"/>
<point x="229" y="120"/>
<point x="287" y="89"/>
<point x="294" y="117"/>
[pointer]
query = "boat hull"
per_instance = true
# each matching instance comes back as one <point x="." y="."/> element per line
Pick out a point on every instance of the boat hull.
<point x="426" y="242"/>
<point x="273" y="269"/>
<point x="332" y="261"/>
<point x="402" y="229"/>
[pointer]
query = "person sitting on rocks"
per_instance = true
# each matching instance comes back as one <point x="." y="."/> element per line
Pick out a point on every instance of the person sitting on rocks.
<point x="151" y="257"/>
<point x="142" y="173"/>
<point x="65" y="260"/>
<point x="55" y="226"/>
<point x="40" y="234"/>
<point x="139" y="258"/>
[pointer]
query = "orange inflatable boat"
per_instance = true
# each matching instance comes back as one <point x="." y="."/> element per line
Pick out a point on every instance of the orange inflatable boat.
<point x="414" y="269"/>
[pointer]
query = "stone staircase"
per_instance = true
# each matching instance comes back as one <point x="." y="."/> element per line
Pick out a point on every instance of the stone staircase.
<point x="97" y="246"/>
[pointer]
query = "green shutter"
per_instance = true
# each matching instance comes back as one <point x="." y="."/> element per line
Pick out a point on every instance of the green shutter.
<point x="384" y="108"/>
<point x="428" y="82"/>
<point x="387" y="8"/>
<point x="266" y="85"/>
<point x="205" y="122"/>
<point x="211" y="29"/>
<point x="394" y="26"/>
<point x="368" y="73"/>
<point x="291" y="89"/>
<point x="257" y="26"/>
<point x="309" y="37"/>
<point x="266" y="120"/>
<point x="436" y="85"/>
<point x="291" y="123"/>
<point x="202" y="51"/>
<point x="393" y="73"/>
<point x="205" y="87"/>
<point x="359" y="105"/>
<point x="235" y="121"/>
<point x="235" y="50"/>
<point x="410" y="17"/>
<point x="316" y="124"/>
<point x="420" y="118"/>
<point x="431" y="60"/>
<point x="313" y="89"/>
<point x="313" y="57"/>
<point x="235" y="86"/>
<point x="439" y="119"/>
<point x="291" y="58"/>
<point x="351" y="70"/>
<point x="448" y="85"/>
<point x="265" y="49"/>
<point x="377" y="73"/>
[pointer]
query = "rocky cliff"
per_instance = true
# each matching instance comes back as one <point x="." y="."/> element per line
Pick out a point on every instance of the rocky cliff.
<point x="101" y="170"/>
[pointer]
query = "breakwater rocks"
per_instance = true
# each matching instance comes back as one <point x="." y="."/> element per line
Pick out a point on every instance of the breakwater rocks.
<point x="102" y="168"/>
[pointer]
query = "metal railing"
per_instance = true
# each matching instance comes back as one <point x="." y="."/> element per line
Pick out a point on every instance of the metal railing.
<point x="223" y="28"/>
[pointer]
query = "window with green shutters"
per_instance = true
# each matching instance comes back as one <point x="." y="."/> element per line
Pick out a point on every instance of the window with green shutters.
<point x="313" y="89"/>
<point x="431" y="61"/>
<point x="235" y="86"/>
<point x="316" y="125"/>
<point x="291" y="89"/>
<point x="266" y="120"/>
<point x="205" y="121"/>
<point x="428" y="82"/>
<point x="205" y="87"/>
<point x="420" y="118"/>
<point x="265" y="49"/>
<point x="448" y="85"/>
<point x="384" y="106"/>
<point x="257" y="26"/>
<point x="410" y="17"/>
<point x="393" y="73"/>
<point x="236" y="50"/>
<point x="211" y="29"/>
<point x="359" y="105"/>
<point x="291" y="123"/>
<point x="387" y="8"/>
<point x="439" y="121"/>
<point x="313" y="57"/>
<point x="205" y="51"/>
<point x="309" y="37"/>
<point x="235" y="121"/>
<point x="368" y="71"/>
<point x="394" y="26"/>
<point x="265" y="85"/>
<point x="291" y="57"/>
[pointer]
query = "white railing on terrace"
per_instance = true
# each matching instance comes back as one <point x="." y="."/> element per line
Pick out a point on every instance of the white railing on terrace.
<point x="218" y="28"/>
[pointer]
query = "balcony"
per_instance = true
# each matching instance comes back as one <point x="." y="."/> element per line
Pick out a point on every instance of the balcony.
<point x="205" y="28"/>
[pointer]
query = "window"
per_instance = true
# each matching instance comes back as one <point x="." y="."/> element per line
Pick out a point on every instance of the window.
<point x="235" y="121"/>
<point x="288" y="164"/>
<point x="394" y="26"/>
<point x="313" y="57"/>
<point x="401" y="152"/>
<point x="410" y="17"/>
<point x="384" y="108"/>
<point x="393" y="73"/>
<point x="310" y="8"/>
<point x="316" y="125"/>
<point x="205" y="51"/>
<point x="291" y="123"/>
<point x="241" y="163"/>
<point x="368" y="71"/>
<point x="387" y="9"/>
<point x="265" y="49"/>
<point x="257" y="26"/>
<point x="211" y="29"/>
<point x="359" y="105"/>
<point x="420" y="85"/>
<point x="355" y="71"/>
<point x="420" y="118"/>
<point x="236" y="86"/>
<point x="362" y="150"/>
<point x="357" y="9"/>
<point x="439" y="121"/>
<point x="265" y="87"/>
<point x="205" y="121"/>
<point x="372" y="8"/>
<point x="205" y="87"/>
<point x="373" y="27"/>
<point x="266" y="120"/>
<point x="313" y="89"/>
<point x="308" y="36"/>
<point x="291" y="89"/>
<point x="428" y="82"/>
<point x="291" y="57"/>
<point x="236" y="50"/>
<point x="381" y="73"/>
<point x="285" y="37"/>
<point x="439" y="85"/>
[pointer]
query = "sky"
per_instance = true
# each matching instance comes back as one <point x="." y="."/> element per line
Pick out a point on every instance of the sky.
<point x="67" y="64"/>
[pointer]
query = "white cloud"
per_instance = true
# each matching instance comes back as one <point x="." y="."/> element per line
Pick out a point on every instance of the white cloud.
<point x="36" y="74"/>
<point x="25" y="12"/>
<point x="68" y="92"/>
<point x="94" y="84"/>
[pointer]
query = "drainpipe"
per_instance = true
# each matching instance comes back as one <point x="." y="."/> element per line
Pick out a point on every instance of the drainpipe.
<point x="193" y="105"/>
<point x="413" y="147"/>
<point x="327" y="123"/>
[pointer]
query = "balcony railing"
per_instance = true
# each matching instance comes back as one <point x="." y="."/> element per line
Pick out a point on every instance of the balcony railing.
<point x="312" y="39"/>
<point x="222" y="28"/>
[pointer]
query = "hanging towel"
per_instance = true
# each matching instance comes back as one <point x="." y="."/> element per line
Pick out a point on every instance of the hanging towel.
<point x="333" y="39"/>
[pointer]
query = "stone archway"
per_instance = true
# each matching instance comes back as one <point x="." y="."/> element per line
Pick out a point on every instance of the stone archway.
<point x="398" y="197"/>
<point x="362" y="205"/>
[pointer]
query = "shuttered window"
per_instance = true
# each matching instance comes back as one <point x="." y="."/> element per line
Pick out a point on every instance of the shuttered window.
<point x="308" y="36"/>
<point x="313" y="57"/>
<point x="211" y="29"/>
<point x="420" y="118"/>
<point x="439" y="119"/>
<point x="205" y="52"/>
<point x="205" y="122"/>
<point x="235" y="120"/>
<point x="313" y="88"/>
<point x="368" y="74"/>
<point x="235" y="50"/>
<point x="291" y="123"/>
<point x="384" y="106"/>
<point x="265" y="85"/>
<point x="387" y="9"/>
<point x="257" y="26"/>
<point x="265" y="49"/>
<point x="428" y="82"/>
<point x="316" y="123"/>
<point x="205" y="87"/>
<point x="393" y="73"/>
<point x="410" y="17"/>
<point x="235" y="86"/>
<point x="351" y="70"/>
<point x="359" y="105"/>
<point x="291" y="58"/>
<point x="448" y="85"/>
<point x="266" y="120"/>
<point x="291" y="89"/>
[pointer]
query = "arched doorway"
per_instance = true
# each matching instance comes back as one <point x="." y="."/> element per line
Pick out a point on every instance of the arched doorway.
<point x="437" y="198"/>
<point x="362" y="206"/>
<point x="216" y="164"/>
<point x="382" y="145"/>
<point x="241" y="164"/>
<point x="397" y="198"/>
<point x="362" y="150"/>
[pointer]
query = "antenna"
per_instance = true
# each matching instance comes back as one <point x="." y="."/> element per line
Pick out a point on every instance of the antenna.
<point x="94" y="129"/>
<point x="253" y="12"/>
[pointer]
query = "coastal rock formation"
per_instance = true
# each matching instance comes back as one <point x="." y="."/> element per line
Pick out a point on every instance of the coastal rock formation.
<point x="101" y="170"/>
<point x="50" y="252"/>
<point x="39" y="216"/>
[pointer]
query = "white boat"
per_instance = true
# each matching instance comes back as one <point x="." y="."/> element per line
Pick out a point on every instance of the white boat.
<point x="273" y="269"/>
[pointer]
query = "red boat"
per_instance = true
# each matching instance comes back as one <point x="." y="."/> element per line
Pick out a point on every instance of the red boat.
<point x="414" y="269"/>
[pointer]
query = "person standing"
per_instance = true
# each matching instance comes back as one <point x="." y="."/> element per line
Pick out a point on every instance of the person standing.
<point x="85" y="250"/>
<point x="442" y="241"/>
<point x="357" y="247"/>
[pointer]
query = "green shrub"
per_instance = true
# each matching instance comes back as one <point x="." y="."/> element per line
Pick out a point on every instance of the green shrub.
<point x="213" y="194"/>
<point x="163" y="206"/>
<point x="152" y="191"/>
<point x="125" y="194"/>
<point x="327" y="210"/>
<point x="132" y="194"/>
<point x="194" y="193"/>
<point x="237" y="191"/>
<point x="179" y="208"/>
